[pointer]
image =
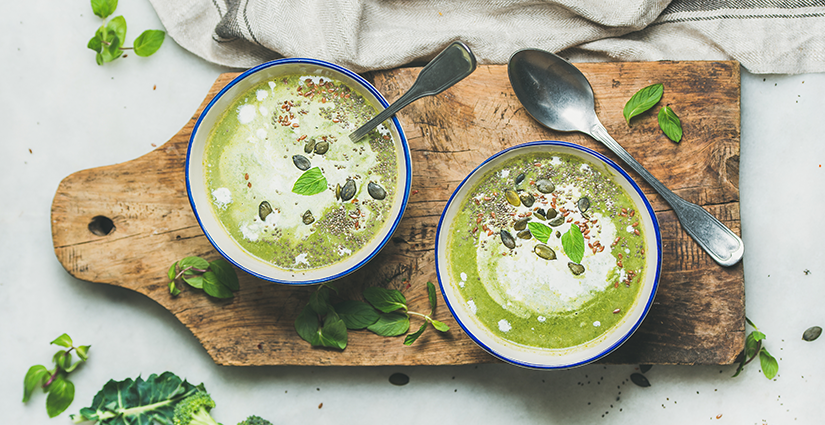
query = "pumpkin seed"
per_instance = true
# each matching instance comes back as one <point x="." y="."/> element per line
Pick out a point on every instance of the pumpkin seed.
<point x="558" y="221"/>
<point x="583" y="204"/>
<point x="348" y="190"/>
<point x="645" y="367"/>
<point x="544" y="251"/>
<point x="519" y="179"/>
<point x="521" y="224"/>
<point x="812" y="333"/>
<point x="301" y="162"/>
<point x="545" y="186"/>
<point x="337" y="191"/>
<point x="376" y="191"/>
<point x="527" y="199"/>
<point x="507" y="239"/>
<point x="321" y="147"/>
<point x="540" y="213"/>
<point x="524" y="234"/>
<point x="309" y="146"/>
<point x="576" y="268"/>
<point x="551" y="214"/>
<point x="264" y="210"/>
<point x="639" y="380"/>
<point x="512" y="197"/>
<point x="307" y="217"/>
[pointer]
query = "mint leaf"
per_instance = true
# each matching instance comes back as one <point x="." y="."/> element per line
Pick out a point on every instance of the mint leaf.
<point x="440" y="326"/>
<point x="391" y="324"/>
<point x="96" y="44"/>
<point x="311" y="182"/>
<point x="83" y="352"/>
<point x="117" y="27"/>
<point x="356" y="314"/>
<point x="306" y="324"/>
<point x="319" y="301"/>
<point x="409" y="339"/>
<point x="770" y="366"/>
<point x="213" y="287"/>
<point x="61" y="394"/>
<point x="194" y="262"/>
<point x="432" y="295"/>
<point x="334" y="332"/>
<point x="670" y="124"/>
<point x="148" y="42"/>
<point x="643" y="100"/>
<point x="225" y="273"/>
<point x="386" y="300"/>
<point x="193" y="280"/>
<point x="34" y="378"/>
<point x="573" y="243"/>
<point x="63" y="341"/>
<point x="104" y="8"/>
<point x="540" y="231"/>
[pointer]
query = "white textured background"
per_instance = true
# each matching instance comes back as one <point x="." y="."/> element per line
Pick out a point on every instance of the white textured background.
<point x="73" y="114"/>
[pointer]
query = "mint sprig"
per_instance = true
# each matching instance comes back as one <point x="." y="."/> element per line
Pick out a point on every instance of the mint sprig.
<point x="55" y="381"/>
<point x="386" y="313"/>
<point x="573" y="243"/>
<point x="754" y="348"/>
<point x="109" y="38"/>
<point x="643" y="100"/>
<point x="540" y="231"/>
<point x="217" y="278"/>
<point x="670" y="124"/>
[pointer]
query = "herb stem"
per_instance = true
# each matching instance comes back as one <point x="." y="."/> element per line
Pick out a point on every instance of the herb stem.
<point x="424" y="316"/>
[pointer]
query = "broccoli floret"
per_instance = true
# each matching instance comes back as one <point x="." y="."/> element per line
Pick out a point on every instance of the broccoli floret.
<point x="255" y="420"/>
<point x="194" y="410"/>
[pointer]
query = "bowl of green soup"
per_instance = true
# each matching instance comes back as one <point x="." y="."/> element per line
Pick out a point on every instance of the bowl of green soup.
<point x="548" y="255"/>
<point x="276" y="184"/>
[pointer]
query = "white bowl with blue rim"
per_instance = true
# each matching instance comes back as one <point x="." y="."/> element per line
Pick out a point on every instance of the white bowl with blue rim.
<point x="199" y="196"/>
<point x="465" y="311"/>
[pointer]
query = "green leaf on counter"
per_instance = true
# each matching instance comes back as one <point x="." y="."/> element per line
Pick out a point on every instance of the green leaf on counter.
<point x="35" y="377"/>
<point x="104" y="8"/>
<point x="433" y="297"/>
<point x="385" y="300"/>
<point x="311" y="182"/>
<point x="55" y="382"/>
<point x="410" y="338"/>
<point x="334" y="332"/>
<point x="225" y="273"/>
<point x="643" y="100"/>
<point x="670" y="124"/>
<point x="356" y="314"/>
<point x="770" y="366"/>
<point x="214" y="287"/>
<point x="63" y="341"/>
<point x="440" y="326"/>
<point x="307" y="324"/>
<point x="391" y="324"/>
<point x="148" y="42"/>
<point x="61" y="394"/>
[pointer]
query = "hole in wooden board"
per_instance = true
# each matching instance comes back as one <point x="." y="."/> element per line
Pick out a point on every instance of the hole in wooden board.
<point x="101" y="226"/>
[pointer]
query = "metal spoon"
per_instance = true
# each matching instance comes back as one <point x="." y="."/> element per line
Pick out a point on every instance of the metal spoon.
<point x="559" y="96"/>
<point x="449" y="67"/>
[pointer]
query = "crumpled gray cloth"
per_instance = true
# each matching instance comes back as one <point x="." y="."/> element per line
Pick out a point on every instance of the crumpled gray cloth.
<point x="765" y="36"/>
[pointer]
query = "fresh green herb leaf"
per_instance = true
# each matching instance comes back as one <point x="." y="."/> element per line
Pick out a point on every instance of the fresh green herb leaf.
<point x="311" y="182"/>
<point x="334" y="332"/>
<point x="116" y="27"/>
<point x="757" y="336"/>
<point x="194" y="263"/>
<point x="385" y="300"/>
<point x="432" y="296"/>
<point x="172" y="271"/>
<point x="95" y="44"/>
<point x="63" y="341"/>
<point x="83" y="352"/>
<point x="670" y="124"/>
<point x="61" y="394"/>
<point x="225" y="273"/>
<point x="410" y="338"/>
<point x="307" y="324"/>
<point x="770" y="366"/>
<point x="214" y="287"/>
<point x="104" y="8"/>
<point x="173" y="289"/>
<point x="138" y="401"/>
<point x="35" y="377"/>
<point x="540" y="231"/>
<point x="573" y="243"/>
<point x="195" y="281"/>
<point x="440" y="326"/>
<point x="356" y="314"/>
<point x="319" y="301"/>
<point x="148" y="42"/>
<point x="391" y="324"/>
<point x="643" y="100"/>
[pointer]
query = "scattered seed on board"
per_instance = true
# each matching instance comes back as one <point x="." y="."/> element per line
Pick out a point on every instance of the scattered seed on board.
<point x="639" y="380"/>
<point x="812" y="333"/>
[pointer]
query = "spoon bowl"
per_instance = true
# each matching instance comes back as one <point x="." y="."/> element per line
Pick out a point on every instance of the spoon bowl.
<point x="558" y="96"/>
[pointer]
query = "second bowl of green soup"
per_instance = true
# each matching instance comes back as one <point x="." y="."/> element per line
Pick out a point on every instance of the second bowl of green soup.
<point x="277" y="185"/>
<point x="548" y="255"/>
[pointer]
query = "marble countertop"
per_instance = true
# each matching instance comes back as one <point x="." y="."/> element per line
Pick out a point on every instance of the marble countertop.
<point x="62" y="113"/>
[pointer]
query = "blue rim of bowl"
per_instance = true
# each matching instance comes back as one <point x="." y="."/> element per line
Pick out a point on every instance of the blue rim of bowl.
<point x="364" y="83"/>
<point x="648" y="304"/>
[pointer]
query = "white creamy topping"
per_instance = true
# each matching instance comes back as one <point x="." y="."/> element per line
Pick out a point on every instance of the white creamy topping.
<point x="597" y="323"/>
<point x="261" y="95"/>
<point x="472" y="305"/>
<point x="223" y="197"/>
<point x="504" y="325"/>
<point x="302" y="259"/>
<point x="246" y="114"/>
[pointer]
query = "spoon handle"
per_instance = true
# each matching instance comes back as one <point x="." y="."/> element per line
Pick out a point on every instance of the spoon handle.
<point x="449" y="67"/>
<point x="714" y="237"/>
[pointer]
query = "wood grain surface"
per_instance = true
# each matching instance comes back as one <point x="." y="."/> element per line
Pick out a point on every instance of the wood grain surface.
<point x="698" y="314"/>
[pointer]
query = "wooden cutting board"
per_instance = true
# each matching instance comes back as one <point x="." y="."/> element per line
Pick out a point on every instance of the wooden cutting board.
<point x="698" y="315"/>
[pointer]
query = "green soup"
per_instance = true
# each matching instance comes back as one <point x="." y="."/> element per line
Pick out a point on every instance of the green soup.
<point x="267" y="140"/>
<point x="529" y="299"/>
